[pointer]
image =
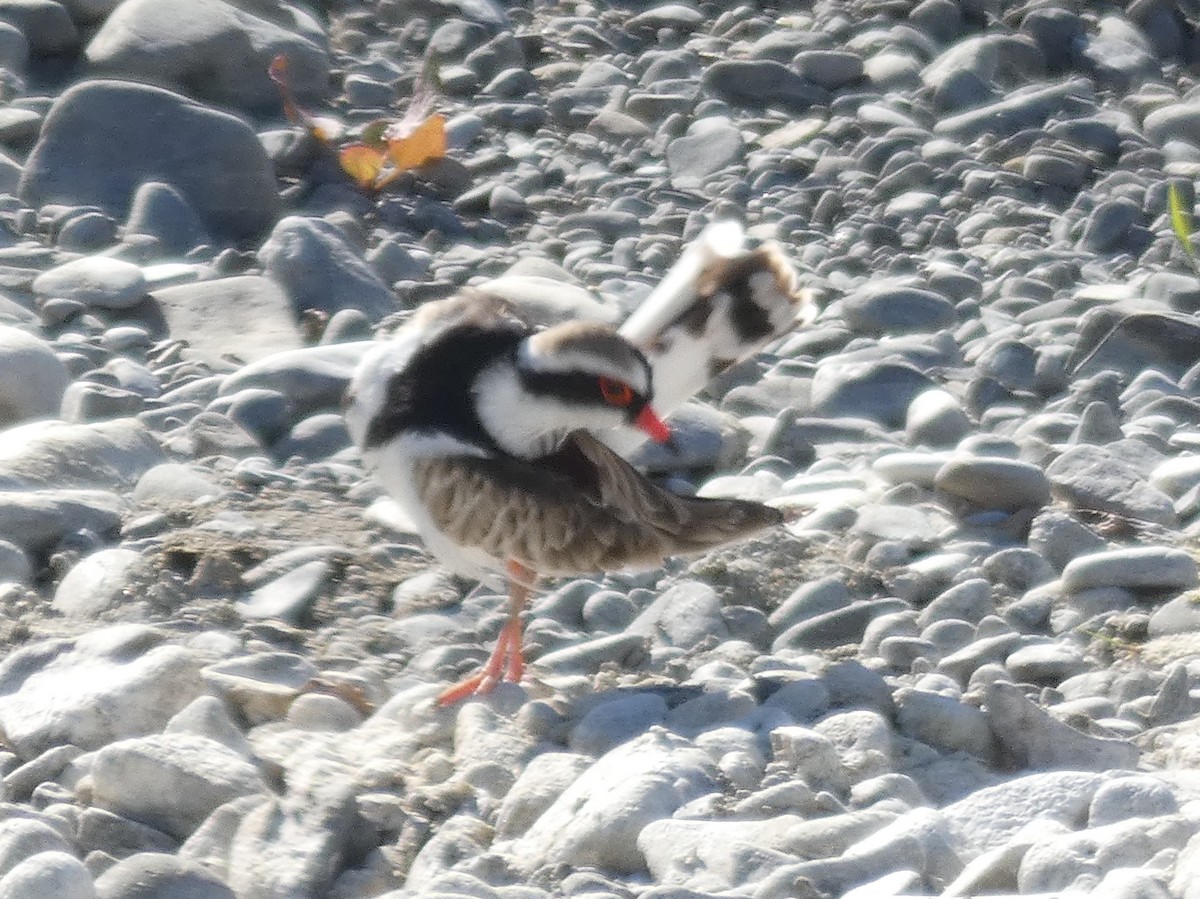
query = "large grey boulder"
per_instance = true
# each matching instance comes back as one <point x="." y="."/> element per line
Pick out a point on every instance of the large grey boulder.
<point x="213" y="50"/>
<point x="103" y="139"/>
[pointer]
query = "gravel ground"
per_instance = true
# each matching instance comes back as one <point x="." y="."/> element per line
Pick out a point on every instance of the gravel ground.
<point x="970" y="664"/>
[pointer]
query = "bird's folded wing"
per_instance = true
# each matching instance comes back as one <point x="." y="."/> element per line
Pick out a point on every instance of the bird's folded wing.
<point x="581" y="509"/>
<point x="690" y="520"/>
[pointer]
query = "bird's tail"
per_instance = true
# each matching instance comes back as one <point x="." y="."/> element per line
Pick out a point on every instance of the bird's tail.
<point x="722" y="302"/>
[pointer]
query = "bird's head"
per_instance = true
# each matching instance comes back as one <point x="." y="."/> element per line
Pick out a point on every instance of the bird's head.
<point x="571" y="376"/>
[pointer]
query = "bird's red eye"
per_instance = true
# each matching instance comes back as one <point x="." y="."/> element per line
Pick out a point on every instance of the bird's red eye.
<point x="615" y="393"/>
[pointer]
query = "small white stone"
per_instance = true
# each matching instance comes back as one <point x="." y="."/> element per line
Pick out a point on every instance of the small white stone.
<point x="100" y="281"/>
<point x="34" y="377"/>
<point x="47" y="874"/>
<point x="98" y="582"/>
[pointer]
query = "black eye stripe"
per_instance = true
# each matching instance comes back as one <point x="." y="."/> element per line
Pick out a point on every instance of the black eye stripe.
<point x="583" y="388"/>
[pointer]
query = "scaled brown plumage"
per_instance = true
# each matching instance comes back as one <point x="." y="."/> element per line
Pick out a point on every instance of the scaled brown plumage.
<point x="581" y="509"/>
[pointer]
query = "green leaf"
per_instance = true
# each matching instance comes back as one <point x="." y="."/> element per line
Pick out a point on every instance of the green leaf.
<point x="1181" y="224"/>
<point x="373" y="134"/>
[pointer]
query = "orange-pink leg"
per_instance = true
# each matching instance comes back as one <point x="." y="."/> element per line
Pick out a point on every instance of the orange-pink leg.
<point x="507" y="661"/>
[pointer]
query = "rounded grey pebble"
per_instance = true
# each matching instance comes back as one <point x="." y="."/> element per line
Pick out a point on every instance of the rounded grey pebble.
<point x="15" y="565"/>
<point x="1137" y="568"/>
<point x="87" y="232"/>
<point x="95" y="281"/>
<point x="972" y="600"/>
<point x="1137" y="796"/>
<point x="158" y="209"/>
<point x="315" y="437"/>
<point x="265" y="413"/>
<point x="22" y="838"/>
<point x="994" y="483"/>
<point x="152" y="875"/>
<point x="615" y="721"/>
<point x="935" y="418"/>
<point x="896" y="308"/>
<point x="319" y="712"/>
<point x="173" y="482"/>
<point x="1046" y="663"/>
<point x="1018" y="568"/>
<point x="608" y="611"/>
<point x="345" y="326"/>
<point x="98" y="582"/>
<point x="52" y="873"/>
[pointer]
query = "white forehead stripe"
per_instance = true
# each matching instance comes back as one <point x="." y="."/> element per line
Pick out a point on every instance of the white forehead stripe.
<point x="532" y="356"/>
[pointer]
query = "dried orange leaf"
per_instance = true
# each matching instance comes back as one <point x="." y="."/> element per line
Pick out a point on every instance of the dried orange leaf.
<point x="323" y="129"/>
<point x="362" y="163"/>
<point x="278" y="72"/>
<point x="426" y="143"/>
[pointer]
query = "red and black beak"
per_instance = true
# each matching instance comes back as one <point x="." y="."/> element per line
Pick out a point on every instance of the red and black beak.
<point x="647" y="420"/>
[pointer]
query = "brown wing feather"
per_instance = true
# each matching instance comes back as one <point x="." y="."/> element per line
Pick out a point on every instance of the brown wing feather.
<point x="582" y="509"/>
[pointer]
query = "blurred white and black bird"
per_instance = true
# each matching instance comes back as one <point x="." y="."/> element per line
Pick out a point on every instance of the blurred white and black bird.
<point x="503" y="440"/>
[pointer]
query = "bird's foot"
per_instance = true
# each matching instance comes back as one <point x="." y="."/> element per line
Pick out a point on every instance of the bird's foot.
<point x="507" y="662"/>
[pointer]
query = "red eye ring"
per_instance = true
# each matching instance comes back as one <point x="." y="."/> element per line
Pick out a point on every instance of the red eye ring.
<point x="615" y="393"/>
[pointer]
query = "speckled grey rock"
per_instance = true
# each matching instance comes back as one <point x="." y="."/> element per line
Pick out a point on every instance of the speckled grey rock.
<point x="1060" y="861"/>
<point x="282" y="845"/>
<point x="317" y="269"/>
<point x="111" y="683"/>
<point x="990" y="817"/>
<point x="1032" y="738"/>
<point x="171" y="781"/>
<point x="726" y="854"/>
<point x="1058" y="538"/>
<point x="321" y="712"/>
<point x="207" y="716"/>
<point x="945" y="722"/>
<point x="760" y="83"/>
<point x="681" y="616"/>
<point x="536" y="788"/>
<point x="1091" y="477"/>
<point x="709" y="146"/>
<point x="1136" y="796"/>
<point x="597" y="820"/>
<point x="22" y="838"/>
<point x="880" y="391"/>
<point x="614" y="722"/>
<point x="172" y="482"/>
<point x="1180" y="615"/>
<point x="1047" y="663"/>
<point x="254" y="317"/>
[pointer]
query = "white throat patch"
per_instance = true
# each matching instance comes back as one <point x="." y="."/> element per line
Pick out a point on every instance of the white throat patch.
<point x="522" y="424"/>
